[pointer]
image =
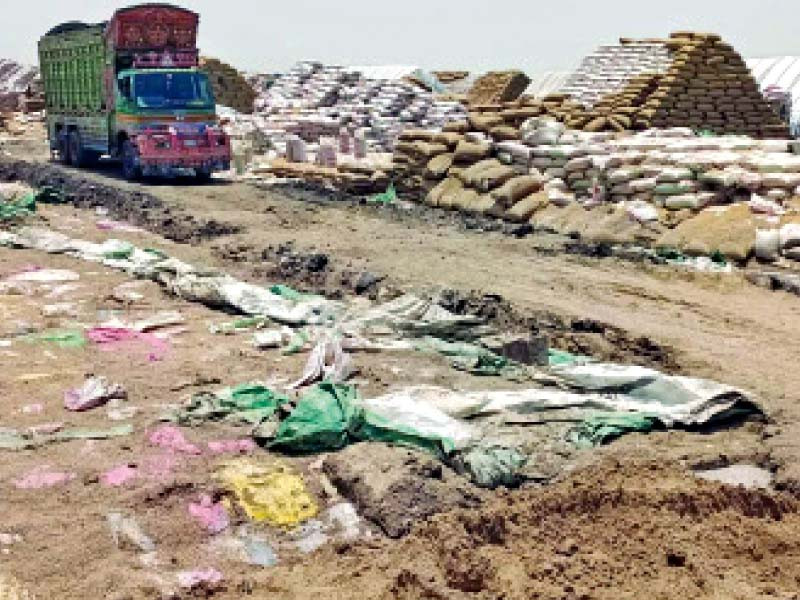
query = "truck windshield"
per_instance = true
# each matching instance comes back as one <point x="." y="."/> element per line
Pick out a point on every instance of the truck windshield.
<point x="173" y="90"/>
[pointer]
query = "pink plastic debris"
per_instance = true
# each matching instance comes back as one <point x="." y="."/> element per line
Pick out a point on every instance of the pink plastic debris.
<point x="197" y="577"/>
<point x="119" y="476"/>
<point x="211" y="516"/>
<point x="109" y="339"/>
<point x="42" y="477"/>
<point x="171" y="438"/>
<point x="244" y="446"/>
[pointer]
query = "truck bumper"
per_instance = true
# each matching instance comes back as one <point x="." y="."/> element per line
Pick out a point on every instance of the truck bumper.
<point x="172" y="154"/>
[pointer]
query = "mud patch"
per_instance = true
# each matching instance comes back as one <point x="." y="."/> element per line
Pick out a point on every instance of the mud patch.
<point x="397" y="488"/>
<point x="140" y="208"/>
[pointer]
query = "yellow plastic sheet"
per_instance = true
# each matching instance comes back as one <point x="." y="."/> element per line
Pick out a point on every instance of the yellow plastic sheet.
<point x="270" y="492"/>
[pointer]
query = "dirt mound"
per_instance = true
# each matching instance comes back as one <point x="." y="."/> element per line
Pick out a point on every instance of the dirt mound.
<point x="140" y="208"/>
<point x="632" y="531"/>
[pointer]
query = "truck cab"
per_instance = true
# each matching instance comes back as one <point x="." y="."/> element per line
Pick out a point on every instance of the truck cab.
<point x="165" y="123"/>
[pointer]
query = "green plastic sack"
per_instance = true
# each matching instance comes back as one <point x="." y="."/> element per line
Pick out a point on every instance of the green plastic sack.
<point x="322" y="420"/>
<point x="559" y="358"/>
<point x="387" y="197"/>
<point x="603" y="428"/>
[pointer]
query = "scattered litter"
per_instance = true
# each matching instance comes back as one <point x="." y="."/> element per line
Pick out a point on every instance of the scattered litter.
<point x="119" y="476"/>
<point x="94" y="392"/>
<point x="250" y="403"/>
<point x="109" y="225"/>
<point x="11" y="439"/>
<point x="126" y="532"/>
<point x="63" y="338"/>
<point x="206" y="578"/>
<point x="32" y="409"/>
<point x="110" y="338"/>
<point x="245" y="446"/>
<point x="749" y="476"/>
<point x="44" y="276"/>
<point x="43" y="477"/>
<point x="270" y="492"/>
<point x="343" y="519"/>
<point x="127" y="293"/>
<point x="171" y="438"/>
<point x="271" y="338"/>
<point x="116" y="410"/>
<point x="212" y="516"/>
<point x="310" y="536"/>
<point x="65" y="309"/>
<point x="246" y="547"/>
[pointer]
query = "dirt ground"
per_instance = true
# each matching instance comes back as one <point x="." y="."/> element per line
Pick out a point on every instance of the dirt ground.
<point x="622" y="521"/>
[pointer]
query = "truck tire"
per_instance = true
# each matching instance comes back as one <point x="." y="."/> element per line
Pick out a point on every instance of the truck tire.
<point x="130" y="170"/>
<point x="63" y="148"/>
<point x="79" y="156"/>
<point x="202" y="175"/>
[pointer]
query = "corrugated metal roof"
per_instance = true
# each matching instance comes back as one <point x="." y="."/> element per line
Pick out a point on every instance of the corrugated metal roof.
<point x="783" y="72"/>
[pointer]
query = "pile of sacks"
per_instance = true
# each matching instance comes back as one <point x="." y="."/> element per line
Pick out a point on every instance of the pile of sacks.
<point x="312" y="101"/>
<point x="230" y="87"/>
<point x="671" y="168"/>
<point x="690" y="80"/>
<point x="668" y="189"/>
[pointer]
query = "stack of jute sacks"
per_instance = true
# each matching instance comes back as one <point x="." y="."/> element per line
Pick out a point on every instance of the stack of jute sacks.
<point x="689" y="80"/>
<point x="666" y="188"/>
<point x="498" y="86"/>
<point x="230" y="87"/>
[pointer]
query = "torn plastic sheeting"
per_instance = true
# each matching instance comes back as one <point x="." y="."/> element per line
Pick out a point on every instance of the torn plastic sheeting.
<point x="671" y="398"/>
<point x="43" y="477"/>
<point x="44" y="276"/>
<point x="327" y="361"/>
<point x="250" y="403"/>
<point x="15" y="440"/>
<point x="211" y="515"/>
<point x="110" y="338"/>
<point x="329" y="417"/>
<point x="63" y="338"/>
<point x="126" y="531"/>
<point x="321" y="421"/>
<point x="172" y="439"/>
<point x="270" y="492"/>
<point x="94" y="392"/>
<point x="208" y="578"/>
<point x="600" y="429"/>
<point x="245" y="547"/>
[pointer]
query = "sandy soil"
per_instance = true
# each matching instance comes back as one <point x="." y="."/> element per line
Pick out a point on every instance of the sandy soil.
<point x="614" y="529"/>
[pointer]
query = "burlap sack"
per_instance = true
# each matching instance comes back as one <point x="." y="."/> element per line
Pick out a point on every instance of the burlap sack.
<point x="438" y="166"/>
<point x="469" y="152"/>
<point x="490" y="179"/>
<point x="515" y="189"/>
<point x="471" y="175"/>
<point x="447" y="186"/>
<point x="524" y="209"/>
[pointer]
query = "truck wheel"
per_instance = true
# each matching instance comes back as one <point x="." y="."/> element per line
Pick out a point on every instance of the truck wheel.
<point x="130" y="170"/>
<point x="202" y="175"/>
<point x="79" y="156"/>
<point x="63" y="148"/>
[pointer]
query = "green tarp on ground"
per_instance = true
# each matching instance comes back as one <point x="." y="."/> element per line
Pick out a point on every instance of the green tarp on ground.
<point x="250" y="403"/>
<point x="604" y="428"/>
<point x="330" y="416"/>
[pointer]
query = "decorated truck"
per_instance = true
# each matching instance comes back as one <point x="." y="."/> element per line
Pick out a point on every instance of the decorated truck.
<point x="131" y="89"/>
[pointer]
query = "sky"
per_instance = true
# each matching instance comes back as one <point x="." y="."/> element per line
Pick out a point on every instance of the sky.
<point x="475" y="35"/>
